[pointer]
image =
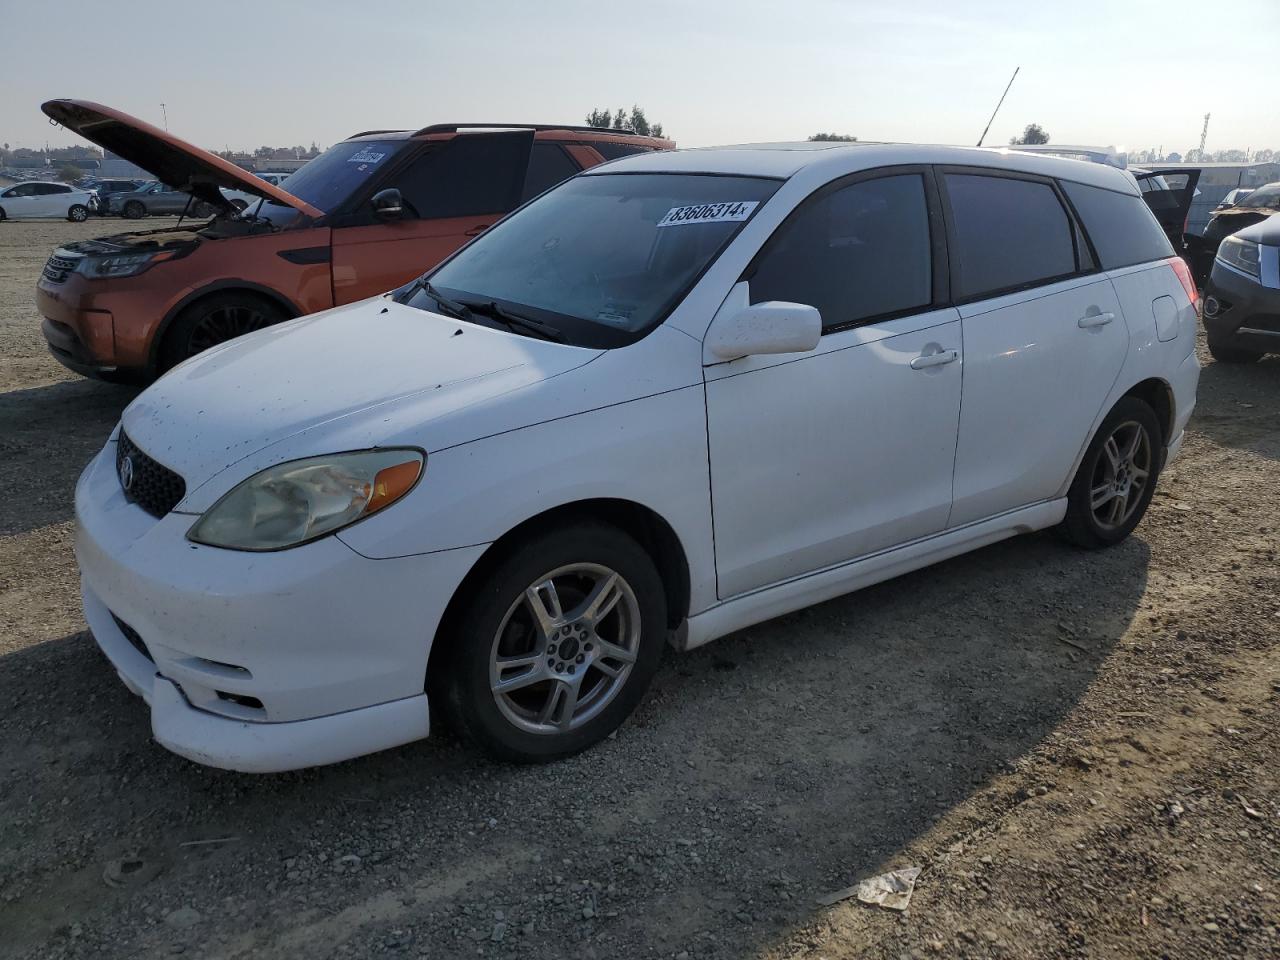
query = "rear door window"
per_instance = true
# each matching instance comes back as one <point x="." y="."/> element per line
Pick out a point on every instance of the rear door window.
<point x="548" y="165"/>
<point x="856" y="253"/>
<point x="1007" y="235"/>
<point x="1122" y="227"/>
<point x="471" y="174"/>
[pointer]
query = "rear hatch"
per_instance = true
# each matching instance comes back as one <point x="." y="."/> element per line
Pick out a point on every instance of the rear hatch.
<point x="171" y="160"/>
<point x="1169" y="194"/>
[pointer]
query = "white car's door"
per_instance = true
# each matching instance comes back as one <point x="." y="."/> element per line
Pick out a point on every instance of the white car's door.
<point x="1044" y="340"/>
<point x="822" y="457"/>
<point x="20" y="200"/>
<point x="57" y="200"/>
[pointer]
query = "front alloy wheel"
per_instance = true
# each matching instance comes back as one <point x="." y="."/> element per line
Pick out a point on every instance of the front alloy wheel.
<point x="553" y="643"/>
<point x="565" y="648"/>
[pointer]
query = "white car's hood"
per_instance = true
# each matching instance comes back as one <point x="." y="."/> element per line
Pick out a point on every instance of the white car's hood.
<point x="250" y="394"/>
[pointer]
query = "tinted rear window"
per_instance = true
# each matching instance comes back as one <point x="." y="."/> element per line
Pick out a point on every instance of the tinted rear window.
<point x="1010" y="234"/>
<point x="1121" y="226"/>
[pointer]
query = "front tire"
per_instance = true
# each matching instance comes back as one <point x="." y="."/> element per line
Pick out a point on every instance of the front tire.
<point x="1225" y="353"/>
<point x="555" y="646"/>
<point x="78" y="213"/>
<point x="1117" y="477"/>
<point x="214" y="320"/>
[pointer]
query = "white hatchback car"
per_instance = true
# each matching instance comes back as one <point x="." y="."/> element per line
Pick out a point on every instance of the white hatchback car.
<point x="36" y="199"/>
<point x="677" y="395"/>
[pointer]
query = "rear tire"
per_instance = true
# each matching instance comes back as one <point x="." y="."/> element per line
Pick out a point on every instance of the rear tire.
<point x="2" y="215"/>
<point x="591" y="670"/>
<point x="1116" y="479"/>
<point x="1225" y="353"/>
<point x="134" y="210"/>
<point x="78" y="213"/>
<point x="214" y="320"/>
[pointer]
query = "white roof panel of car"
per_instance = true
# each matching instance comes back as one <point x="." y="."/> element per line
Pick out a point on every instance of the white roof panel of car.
<point x="829" y="160"/>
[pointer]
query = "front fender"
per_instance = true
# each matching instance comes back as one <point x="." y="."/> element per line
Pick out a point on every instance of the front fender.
<point x="651" y="451"/>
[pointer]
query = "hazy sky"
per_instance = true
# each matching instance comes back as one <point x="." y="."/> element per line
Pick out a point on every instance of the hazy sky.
<point x="1132" y="74"/>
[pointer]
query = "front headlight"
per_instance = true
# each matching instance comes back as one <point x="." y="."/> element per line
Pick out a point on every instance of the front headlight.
<point x="1241" y="254"/>
<point x="122" y="265"/>
<point x="293" y="503"/>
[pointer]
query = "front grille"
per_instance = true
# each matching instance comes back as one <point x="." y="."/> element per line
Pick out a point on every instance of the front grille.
<point x="133" y="637"/>
<point x="57" y="269"/>
<point x="149" y="484"/>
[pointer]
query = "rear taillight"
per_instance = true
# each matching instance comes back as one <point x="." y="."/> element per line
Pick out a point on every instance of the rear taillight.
<point x="1184" y="276"/>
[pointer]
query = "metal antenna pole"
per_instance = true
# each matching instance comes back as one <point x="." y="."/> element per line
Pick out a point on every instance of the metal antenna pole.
<point x="997" y="109"/>
<point x="165" y="114"/>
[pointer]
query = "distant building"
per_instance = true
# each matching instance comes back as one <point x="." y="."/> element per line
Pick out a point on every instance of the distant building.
<point x="114" y="166"/>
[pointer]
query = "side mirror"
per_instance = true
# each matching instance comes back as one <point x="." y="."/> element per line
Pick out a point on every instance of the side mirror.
<point x="387" y="204"/>
<point x="742" y="329"/>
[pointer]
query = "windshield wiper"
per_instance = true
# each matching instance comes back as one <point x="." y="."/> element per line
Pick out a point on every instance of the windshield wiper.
<point x="459" y="310"/>
<point x="514" y="321"/>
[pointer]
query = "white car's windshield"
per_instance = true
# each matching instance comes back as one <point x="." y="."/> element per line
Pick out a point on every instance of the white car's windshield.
<point x="603" y="258"/>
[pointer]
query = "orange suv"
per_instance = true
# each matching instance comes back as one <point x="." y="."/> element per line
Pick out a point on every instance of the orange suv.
<point x="367" y="215"/>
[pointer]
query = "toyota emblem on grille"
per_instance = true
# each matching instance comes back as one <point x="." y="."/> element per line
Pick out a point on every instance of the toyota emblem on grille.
<point x="126" y="473"/>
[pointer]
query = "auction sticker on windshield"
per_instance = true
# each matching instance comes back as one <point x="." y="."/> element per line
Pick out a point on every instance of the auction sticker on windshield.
<point x="727" y="212"/>
<point x="366" y="156"/>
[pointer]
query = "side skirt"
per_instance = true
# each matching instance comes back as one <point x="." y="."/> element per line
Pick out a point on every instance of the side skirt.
<point x="799" y="592"/>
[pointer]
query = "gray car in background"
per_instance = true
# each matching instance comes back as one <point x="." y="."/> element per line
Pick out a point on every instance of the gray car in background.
<point x="154" y="199"/>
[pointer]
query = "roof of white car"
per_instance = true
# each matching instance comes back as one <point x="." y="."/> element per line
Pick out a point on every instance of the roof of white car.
<point x="828" y="160"/>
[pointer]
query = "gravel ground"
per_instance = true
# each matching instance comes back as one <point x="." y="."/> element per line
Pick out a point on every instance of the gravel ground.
<point x="1078" y="749"/>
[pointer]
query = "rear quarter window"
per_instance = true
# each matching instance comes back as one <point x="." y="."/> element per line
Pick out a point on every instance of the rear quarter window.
<point x="1008" y="234"/>
<point x="1121" y="226"/>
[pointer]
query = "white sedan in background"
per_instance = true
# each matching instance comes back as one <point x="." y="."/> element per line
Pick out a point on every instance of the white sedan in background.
<point x="38" y="199"/>
<point x="240" y="199"/>
<point x="673" y="397"/>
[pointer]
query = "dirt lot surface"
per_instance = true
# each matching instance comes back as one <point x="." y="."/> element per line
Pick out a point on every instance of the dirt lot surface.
<point x="1078" y="749"/>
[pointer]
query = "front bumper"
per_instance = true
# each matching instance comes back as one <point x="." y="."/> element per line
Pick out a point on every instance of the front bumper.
<point x="259" y="662"/>
<point x="1247" y="314"/>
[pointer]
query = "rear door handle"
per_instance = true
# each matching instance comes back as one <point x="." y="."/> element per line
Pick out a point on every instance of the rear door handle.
<point x="934" y="359"/>
<point x="477" y="230"/>
<point x="1095" y="320"/>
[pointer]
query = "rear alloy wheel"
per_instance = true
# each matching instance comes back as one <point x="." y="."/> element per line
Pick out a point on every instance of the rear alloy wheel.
<point x="1225" y="353"/>
<point x="555" y="647"/>
<point x="134" y="210"/>
<point x="1115" y="482"/>
<point x="79" y="213"/>
<point x="215" y="320"/>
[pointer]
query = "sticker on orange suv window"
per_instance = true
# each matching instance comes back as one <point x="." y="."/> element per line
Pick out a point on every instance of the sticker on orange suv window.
<point x="365" y="156"/>
<point x="727" y="212"/>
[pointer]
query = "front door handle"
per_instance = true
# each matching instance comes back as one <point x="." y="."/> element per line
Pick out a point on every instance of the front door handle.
<point x="477" y="230"/>
<point x="934" y="359"/>
<point x="1095" y="320"/>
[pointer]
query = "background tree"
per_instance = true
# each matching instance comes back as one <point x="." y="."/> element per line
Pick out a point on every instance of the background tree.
<point x="834" y="137"/>
<point x="1032" y="133"/>
<point x="635" y="121"/>
<point x="69" y="172"/>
